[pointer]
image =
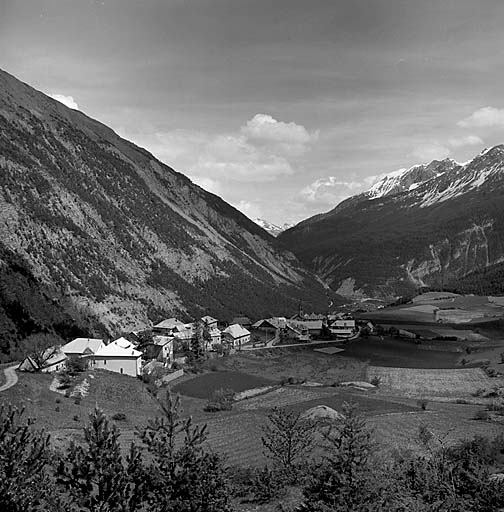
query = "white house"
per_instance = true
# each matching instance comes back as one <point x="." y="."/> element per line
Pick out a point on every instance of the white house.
<point x="236" y="335"/>
<point x="168" y="327"/>
<point x="55" y="362"/>
<point x="343" y="328"/>
<point x="119" y="356"/>
<point x="80" y="347"/>
<point x="210" y="322"/>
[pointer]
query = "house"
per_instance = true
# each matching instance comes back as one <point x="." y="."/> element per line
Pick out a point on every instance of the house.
<point x="82" y="347"/>
<point x="210" y="322"/>
<point x="236" y="335"/>
<point x="119" y="356"/>
<point x="168" y="327"/>
<point x="312" y="327"/>
<point x="160" y="349"/>
<point x="244" y="321"/>
<point x="343" y="327"/>
<point x="55" y="362"/>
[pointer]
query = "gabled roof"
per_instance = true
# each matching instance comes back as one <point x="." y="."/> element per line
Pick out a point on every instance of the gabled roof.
<point x="236" y="331"/>
<point x="82" y="345"/>
<point x="169" y="323"/>
<point x="241" y="320"/>
<point x="209" y="319"/>
<point x="162" y="340"/>
<point x="118" y="348"/>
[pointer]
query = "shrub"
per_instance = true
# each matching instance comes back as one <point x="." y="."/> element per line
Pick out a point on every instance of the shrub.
<point x="58" y="400"/>
<point x="376" y="381"/>
<point x="422" y="403"/>
<point x="221" y="400"/>
<point x="76" y="417"/>
<point x="57" y="409"/>
<point x="267" y="485"/>
<point x="78" y="399"/>
<point x="481" y="415"/>
<point x="119" y="416"/>
<point x="461" y="401"/>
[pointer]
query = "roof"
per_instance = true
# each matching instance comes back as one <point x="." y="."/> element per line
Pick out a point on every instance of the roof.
<point x="118" y="348"/>
<point x="242" y="320"/>
<point x="162" y="340"/>
<point x="169" y="323"/>
<point x="236" y="331"/>
<point x="275" y="322"/>
<point x="209" y="319"/>
<point x="80" y="345"/>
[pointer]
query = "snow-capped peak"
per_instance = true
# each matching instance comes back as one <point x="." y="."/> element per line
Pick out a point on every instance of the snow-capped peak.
<point x="271" y="228"/>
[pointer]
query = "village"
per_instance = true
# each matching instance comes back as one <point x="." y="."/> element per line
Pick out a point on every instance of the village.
<point x="170" y="343"/>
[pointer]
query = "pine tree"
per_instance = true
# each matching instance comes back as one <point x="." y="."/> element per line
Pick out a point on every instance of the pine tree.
<point x="347" y="479"/>
<point x="24" y="483"/>
<point x="184" y="477"/>
<point x="94" y="474"/>
<point x="287" y="440"/>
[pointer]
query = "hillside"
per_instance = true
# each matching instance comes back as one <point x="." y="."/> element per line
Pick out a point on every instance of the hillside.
<point x="101" y="232"/>
<point x="434" y="229"/>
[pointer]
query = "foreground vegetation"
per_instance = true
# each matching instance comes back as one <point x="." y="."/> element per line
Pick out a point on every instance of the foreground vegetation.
<point x="169" y="468"/>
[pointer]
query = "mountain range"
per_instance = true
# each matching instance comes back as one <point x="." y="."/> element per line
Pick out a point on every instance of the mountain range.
<point x="97" y="234"/>
<point x="272" y="229"/>
<point x="434" y="225"/>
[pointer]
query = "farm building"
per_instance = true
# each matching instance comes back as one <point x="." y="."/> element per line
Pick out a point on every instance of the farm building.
<point x="236" y="335"/>
<point x="120" y="356"/>
<point x="210" y="322"/>
<point x="244" y="321"/>
<point x="80" y="347"/>
<point x="160" y="349"/>
<point x="54" y="361"/>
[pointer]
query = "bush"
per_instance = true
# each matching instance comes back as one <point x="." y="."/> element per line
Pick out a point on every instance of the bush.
<point x="119" y="416"/>
<point x="76" y="417"/>
<point x="221" y="400"/>
<point x="481" y="415"/>
<point x="376" y="381"/>
<point x="57" y="409"/>
<point x="422" y="403"/>
<point x="58" y="400"/>
<point x="267" y="485"/>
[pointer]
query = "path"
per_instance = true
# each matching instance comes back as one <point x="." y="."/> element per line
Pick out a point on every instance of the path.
<point x="10" y="377"/>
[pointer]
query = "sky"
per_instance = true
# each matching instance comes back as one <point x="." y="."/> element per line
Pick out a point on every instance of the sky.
<point x="282" y="107"/>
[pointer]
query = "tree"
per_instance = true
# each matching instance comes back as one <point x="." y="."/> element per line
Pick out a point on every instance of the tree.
<point x="347" y="479"/>
<point x="184" y="477"/>
<point x="24" y="484"/>
<point x="40" y="348"/>
<point x="95" y="475"/>
<point x="197" y="343"/>
<point x="287" y="439"/>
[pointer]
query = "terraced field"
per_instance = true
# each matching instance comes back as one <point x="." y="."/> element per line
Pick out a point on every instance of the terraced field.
<point x="415" y="382"/>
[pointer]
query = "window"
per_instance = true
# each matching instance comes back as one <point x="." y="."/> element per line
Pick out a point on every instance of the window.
<point x="105" y="362"/>
<point x="121" y="370"/>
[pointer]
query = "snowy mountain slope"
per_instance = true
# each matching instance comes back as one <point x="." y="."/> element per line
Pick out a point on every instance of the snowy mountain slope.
<point x="430" y="225"/>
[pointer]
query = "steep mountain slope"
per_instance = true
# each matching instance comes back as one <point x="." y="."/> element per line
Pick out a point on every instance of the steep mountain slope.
<point x="120" y="236"/>
<point x="393" y="239"/>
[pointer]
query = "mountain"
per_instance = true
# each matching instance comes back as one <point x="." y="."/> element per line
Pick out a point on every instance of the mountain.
<point x="432" y="225"/>
<point x="271" y="228"/>
<point x="95" y="233"/>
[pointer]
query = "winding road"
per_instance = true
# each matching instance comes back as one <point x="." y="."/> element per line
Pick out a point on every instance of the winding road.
<point x="10" y="377"/>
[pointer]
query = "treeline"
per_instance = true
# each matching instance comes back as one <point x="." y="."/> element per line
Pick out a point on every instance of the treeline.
<point x="170" y="469"/>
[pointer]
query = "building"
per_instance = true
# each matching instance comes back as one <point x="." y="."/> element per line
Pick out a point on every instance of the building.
<point x="244" y="321"/>
<point x="55" y="362"/>
<point x="80" y="347"/>
<point x="159" y="349"/>
<point x="168" y="327"/>
<point x="236" y="335"/>
<point x="120" y="356"/>
<point x="343" y="328"/>
<point x="210" y="322"/>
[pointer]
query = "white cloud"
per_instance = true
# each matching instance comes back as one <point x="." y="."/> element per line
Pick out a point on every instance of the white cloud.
<point x="484" y="117"/>
<point x="66" y="100"/>
<point x="251" y="210"/>
<point x="430" y="151"/>
<point x="261" y="151"/>
<point x="331" y="190"/>
<point x="286" y="138"/>
<point x="469" y="140"/>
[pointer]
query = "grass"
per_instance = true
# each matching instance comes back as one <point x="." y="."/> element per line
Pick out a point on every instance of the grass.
<point x="203" y="386"/>
<point x="432" y="382"/>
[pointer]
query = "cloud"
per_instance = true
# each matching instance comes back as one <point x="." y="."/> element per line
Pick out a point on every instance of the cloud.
<point x="484" y="117"/>
<point x="251" y="210"/>
<point x="66" y="100"/>
<point x="430" y="151"/>
<point x="261" y="151"/>
<point x="287" y="138"/>
<point x="332" y="190"/>
<point x="469" y="140"/>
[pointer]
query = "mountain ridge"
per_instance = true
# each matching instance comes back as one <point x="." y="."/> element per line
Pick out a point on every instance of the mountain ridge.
<point x="123" y="237"/>
<point x="432" y="234"/>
